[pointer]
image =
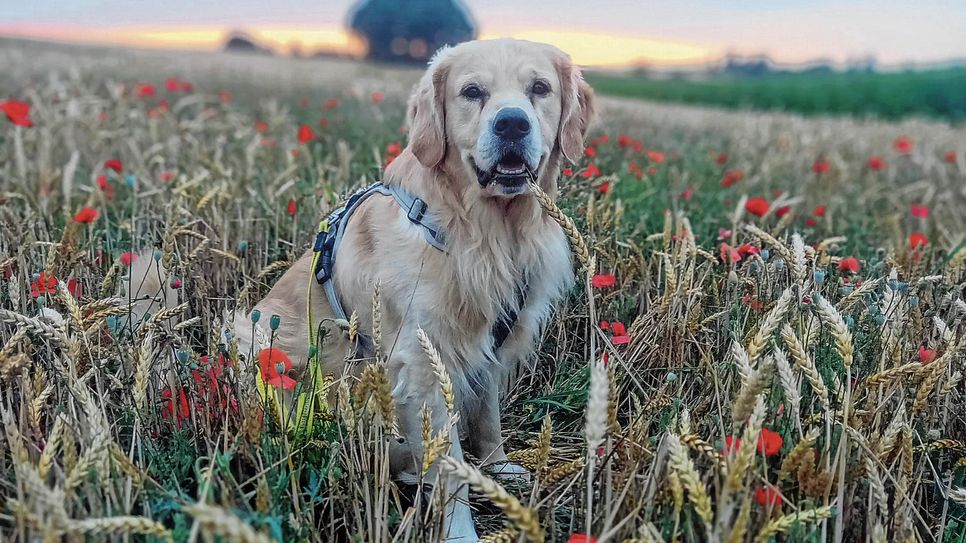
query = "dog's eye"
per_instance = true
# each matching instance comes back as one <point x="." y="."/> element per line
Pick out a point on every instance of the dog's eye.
<point x="472" y="92"/>
<point x="540" y="88"/>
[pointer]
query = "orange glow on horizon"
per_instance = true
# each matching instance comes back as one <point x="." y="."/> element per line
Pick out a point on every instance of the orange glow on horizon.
<point x="598" y="49"/>
<point x="586" y="48"/>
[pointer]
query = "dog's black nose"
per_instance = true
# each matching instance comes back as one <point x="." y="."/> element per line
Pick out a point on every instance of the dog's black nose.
<point x="511" y="123"/>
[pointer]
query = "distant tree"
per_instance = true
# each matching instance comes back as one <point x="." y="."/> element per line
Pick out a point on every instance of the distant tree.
<point x="240" y="42"/>
<point x="410" y="30"/>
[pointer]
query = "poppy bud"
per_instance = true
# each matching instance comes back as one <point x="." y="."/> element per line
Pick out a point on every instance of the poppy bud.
<point x="256" y="314"/>
<point x="274" y="322"/>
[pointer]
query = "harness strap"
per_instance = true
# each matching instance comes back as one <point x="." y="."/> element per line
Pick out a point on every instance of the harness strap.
<point x="502" y="327"/>
<point x="332" y="230"/>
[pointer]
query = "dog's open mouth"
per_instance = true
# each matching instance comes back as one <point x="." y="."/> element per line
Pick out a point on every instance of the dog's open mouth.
<point x="511" y="173"/>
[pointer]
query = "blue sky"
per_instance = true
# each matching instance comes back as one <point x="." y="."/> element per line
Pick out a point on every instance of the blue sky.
<point x="789" y="30"/>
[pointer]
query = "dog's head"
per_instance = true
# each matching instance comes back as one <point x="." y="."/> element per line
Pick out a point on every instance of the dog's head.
<point x="492" y="113"/>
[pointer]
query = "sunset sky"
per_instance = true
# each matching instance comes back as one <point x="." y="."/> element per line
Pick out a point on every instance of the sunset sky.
<point x="601" y="32"/>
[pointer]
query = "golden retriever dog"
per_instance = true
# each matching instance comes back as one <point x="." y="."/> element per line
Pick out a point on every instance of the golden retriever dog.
<point x="485" y="117"/>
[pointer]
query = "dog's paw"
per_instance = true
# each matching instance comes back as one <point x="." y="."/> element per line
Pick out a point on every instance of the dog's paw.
<point x="509" y="471"/>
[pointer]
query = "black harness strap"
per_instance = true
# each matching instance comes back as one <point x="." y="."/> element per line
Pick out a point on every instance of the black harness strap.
<point x="502" y="327"/>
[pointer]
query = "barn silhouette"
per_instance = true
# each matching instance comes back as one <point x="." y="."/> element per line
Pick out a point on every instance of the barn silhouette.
<point x="410" y="31"/>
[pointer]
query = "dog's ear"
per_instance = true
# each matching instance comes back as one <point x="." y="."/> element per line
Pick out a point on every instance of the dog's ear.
<point x="577" y="109"/>
<point x="427" y="115"/>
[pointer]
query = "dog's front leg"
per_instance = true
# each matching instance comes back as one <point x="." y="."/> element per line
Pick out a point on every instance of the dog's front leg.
<point x="485" y="437"/>
<point x="411" y="395"/>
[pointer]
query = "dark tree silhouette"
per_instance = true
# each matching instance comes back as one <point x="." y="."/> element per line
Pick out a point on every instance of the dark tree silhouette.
<point x="410" y="30"/>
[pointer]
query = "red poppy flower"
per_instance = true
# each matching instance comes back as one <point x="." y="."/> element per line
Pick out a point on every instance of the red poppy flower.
<point x="624" y="140"/>
<point x="590" y="151"/>
<point x="604" y="138"/>
<point x="331" y="103"/>
<point x="377" y="97"/>
<point x="757" y="206"/>
<point x="568" y="172"/>
<point x="919" y="211"/>
<point x="172" y="84"/>
<point x="748" y="249"/>
<point x="782" y="211"/>
<point x="638" y="146"/>
<point x="176" y="413"/>
<point x="655" y="156"/>
<point x="291" y="209"/>
<point x="604" y="325"/>
<point x="146" y="90"/>
<point x="821" y="166"/>
<point x="731" y="177"/>
<point x="820" y="211"/>
<point x="72" y="288"/>
<point x="769" y="442"/>
<point x="323" y="122"/>
<point x="724" y="234"/>
<point x="950" y="157"/>
<point x="849" y="264"/>
<point x="261" y="127"/>
<point x="394" y="149"/>
<point x="766" y="496"/>
<point x="306" y="134"/>
<point x="224" y="97"/>
<point x="86" y="215"/>
<point x="128" y="258"/>
<point x="114" y="164"/>
<point x="44" y="284"/>
<point x="876" y="163"/>
<point x="687" y="194"/>
<point x="917" y="239"/>
<point x="903" y="144"/>
<point x="17" y="112"/>
<point x="618" y="328"/>
<point x="603" y="280"/>
<point x="731" y="445"/>
<point x="591" y="171"/>
<point x="581" y="538"/>
<point x="604" y="187"/>
<point x="721" y="159"/>
<point x="167" y="175"/>
<point x="729" y="255"/>
<point x="105" y="186"/>
<point x="273" y="364"/>
<point x="926" y="355"/>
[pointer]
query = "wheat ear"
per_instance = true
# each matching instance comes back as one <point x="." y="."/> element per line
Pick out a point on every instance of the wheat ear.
<point x="523" y="517"/>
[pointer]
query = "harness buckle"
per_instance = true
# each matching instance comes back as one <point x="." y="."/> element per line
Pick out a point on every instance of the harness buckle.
<point x="417" y="211"/>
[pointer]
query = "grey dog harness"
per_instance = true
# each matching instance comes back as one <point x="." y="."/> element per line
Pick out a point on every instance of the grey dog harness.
<point x="333" y="228"/>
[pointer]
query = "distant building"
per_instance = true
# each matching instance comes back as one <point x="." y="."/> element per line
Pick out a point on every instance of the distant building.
<point x="410" y="30"/>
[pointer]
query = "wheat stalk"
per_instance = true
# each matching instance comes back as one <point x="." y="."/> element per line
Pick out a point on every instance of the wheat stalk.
<point x="595" y="426"/>
<point x="783" y="523"/>
<point x="740" y="462"/>
<point x="523" y="517"/>
<point x="566" y="223"/>
<point x="751" y="389"/>
<point x="445" y="383"/>
<point x="142" y="372"/>
<point x="841" y="333"/>
<point x="117" y="527"/>
<point x="772" y="320"/>
<point x="218" y="522"/>
<point x="805" y="364"/>
<point x="680" y="462"/>
<point x="789" y="384"/>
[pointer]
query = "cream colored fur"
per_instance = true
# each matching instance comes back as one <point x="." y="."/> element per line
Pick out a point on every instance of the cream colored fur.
<point x="456" y="297"/>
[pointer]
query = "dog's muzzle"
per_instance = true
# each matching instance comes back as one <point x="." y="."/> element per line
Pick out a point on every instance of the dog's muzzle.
<point x="513" y="150"/>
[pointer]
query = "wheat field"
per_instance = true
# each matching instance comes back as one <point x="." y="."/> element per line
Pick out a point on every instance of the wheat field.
<point x="766" y="341"/>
